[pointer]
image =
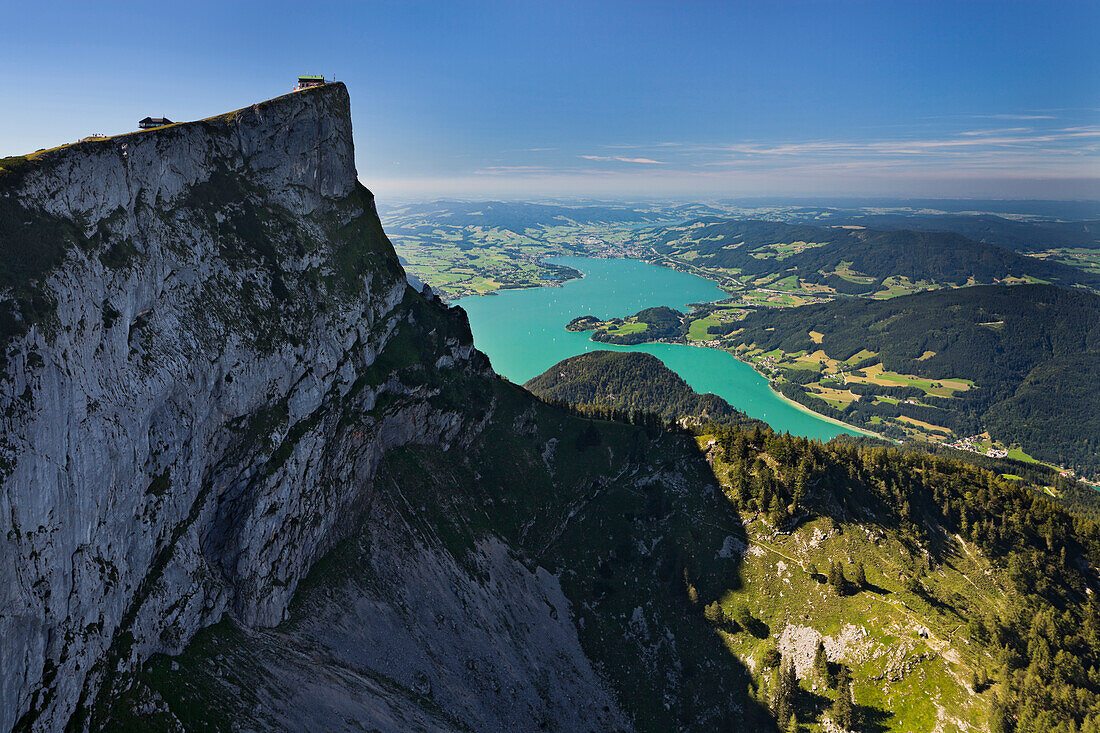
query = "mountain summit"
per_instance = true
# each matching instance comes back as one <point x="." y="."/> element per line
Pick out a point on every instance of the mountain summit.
<point x="224" y="408"/>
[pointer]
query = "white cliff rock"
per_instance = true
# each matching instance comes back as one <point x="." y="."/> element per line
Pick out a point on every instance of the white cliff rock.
<point x="231" y="432"/>
<point x="171" y="427"/>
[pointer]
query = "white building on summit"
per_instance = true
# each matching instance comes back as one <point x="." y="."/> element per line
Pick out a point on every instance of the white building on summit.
<point x="307" y="81"/>
<point x="150" y="122"/>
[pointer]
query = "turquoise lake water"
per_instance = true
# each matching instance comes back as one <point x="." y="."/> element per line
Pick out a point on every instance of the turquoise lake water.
<point x="523" y="333"/>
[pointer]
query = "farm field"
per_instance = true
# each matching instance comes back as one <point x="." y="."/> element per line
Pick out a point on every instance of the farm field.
<point x="897" y="285"/>
<point x="476" y="261"/>
<point x="1086" y="259"/>
<point x="628" y="327"/>
<point x="833" y="382"/>
<point x="844" y="372"/>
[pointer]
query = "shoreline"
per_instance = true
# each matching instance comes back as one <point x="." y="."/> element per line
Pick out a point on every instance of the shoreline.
<point x="826" y="418"/>
<point x="801" y="406"/>
<point x="785" y="398"/>
<point x="798" y="406"/>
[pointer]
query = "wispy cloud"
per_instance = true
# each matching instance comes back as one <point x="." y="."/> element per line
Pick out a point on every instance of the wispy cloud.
<point x="620" y="159"/>
<point x="1014" y="117"/>
<point x="997" y="131"/>
<point x="1060" y="141"/>
<point x="505" y="170"/>
<point x="635" y="146"/>
<point x="1060" y="159"/>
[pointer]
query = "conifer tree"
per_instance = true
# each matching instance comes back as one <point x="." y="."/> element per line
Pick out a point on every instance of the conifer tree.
<point x="821" y="665"/>
<point x="775" y="510"/>
<point x="843" y="708"/>
<point x="998" y="720"/>
<point x="786" y="689"/>
<point x="837" y="579"/>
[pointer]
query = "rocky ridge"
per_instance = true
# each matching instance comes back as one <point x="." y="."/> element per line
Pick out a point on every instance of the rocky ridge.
<point x="217" y="382"/>
<point x="170" y="423"/>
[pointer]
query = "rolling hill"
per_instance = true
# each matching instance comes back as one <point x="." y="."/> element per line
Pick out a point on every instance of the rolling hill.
<point x="632" y="381"/>
<point x="1030" y="350"/>
<point x="853" y="260"/>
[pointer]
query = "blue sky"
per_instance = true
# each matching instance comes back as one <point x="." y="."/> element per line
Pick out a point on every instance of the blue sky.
<point x="679" y="99"/>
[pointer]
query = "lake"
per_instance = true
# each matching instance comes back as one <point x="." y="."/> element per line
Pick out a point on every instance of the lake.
<point x="523" y="333"/>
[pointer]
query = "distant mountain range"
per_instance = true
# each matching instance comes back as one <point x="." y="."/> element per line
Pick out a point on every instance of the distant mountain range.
<point x="1022" y="236"/>
<point x="518" y="217"/>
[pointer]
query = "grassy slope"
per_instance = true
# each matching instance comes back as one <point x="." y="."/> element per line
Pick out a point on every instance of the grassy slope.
<point x="908" y="635"/>
<point x="910" y="663"/>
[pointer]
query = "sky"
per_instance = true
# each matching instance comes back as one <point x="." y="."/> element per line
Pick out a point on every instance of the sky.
<point x="525" y="99"/>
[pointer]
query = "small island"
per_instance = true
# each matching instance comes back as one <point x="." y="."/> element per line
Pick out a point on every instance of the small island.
<point x="651" y="324"/>
<point x="583" y="323"/>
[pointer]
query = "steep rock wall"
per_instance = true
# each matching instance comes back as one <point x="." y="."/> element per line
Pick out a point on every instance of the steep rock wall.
<point x="208" y="301"/>
<point x="216" y="382"/>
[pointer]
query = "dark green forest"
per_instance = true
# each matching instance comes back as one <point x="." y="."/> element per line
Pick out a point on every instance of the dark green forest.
<point x="1057" y="404"/>
<point x="940" y="257"/>
<point x="1033" y="351"/>
<point x="631" y="382"/>
<point x="1080" y="499"/>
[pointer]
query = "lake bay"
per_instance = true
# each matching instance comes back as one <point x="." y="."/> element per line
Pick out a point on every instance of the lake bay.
<point x="523" y="333"/>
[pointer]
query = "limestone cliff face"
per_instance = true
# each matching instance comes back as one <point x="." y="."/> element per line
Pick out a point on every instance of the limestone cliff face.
<point x="204" y="309"/>
<point x="251" y="479"/>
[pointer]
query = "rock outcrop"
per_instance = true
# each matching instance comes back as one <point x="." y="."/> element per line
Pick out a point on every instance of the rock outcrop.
<point x="170" y="420"/>
<point x="216" y="380"/>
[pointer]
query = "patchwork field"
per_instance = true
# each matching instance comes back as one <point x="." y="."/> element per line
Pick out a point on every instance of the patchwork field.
<point x="834" y="382"/>
<point x="900" y="285"/>
<point x="1086" y="259"/>
<point x="476" y="261"/>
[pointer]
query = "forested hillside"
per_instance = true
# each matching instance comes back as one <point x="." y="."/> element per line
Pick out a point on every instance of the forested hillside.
<point x="1031" y="351"/>
<point x="632" y="382"/>
<point x="1058" y="405"/>
<point x="1022" y="236"/>
<point x="1030" y="620"/>
<point x="854" y="260"/>
<point x="886" y="589"/>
